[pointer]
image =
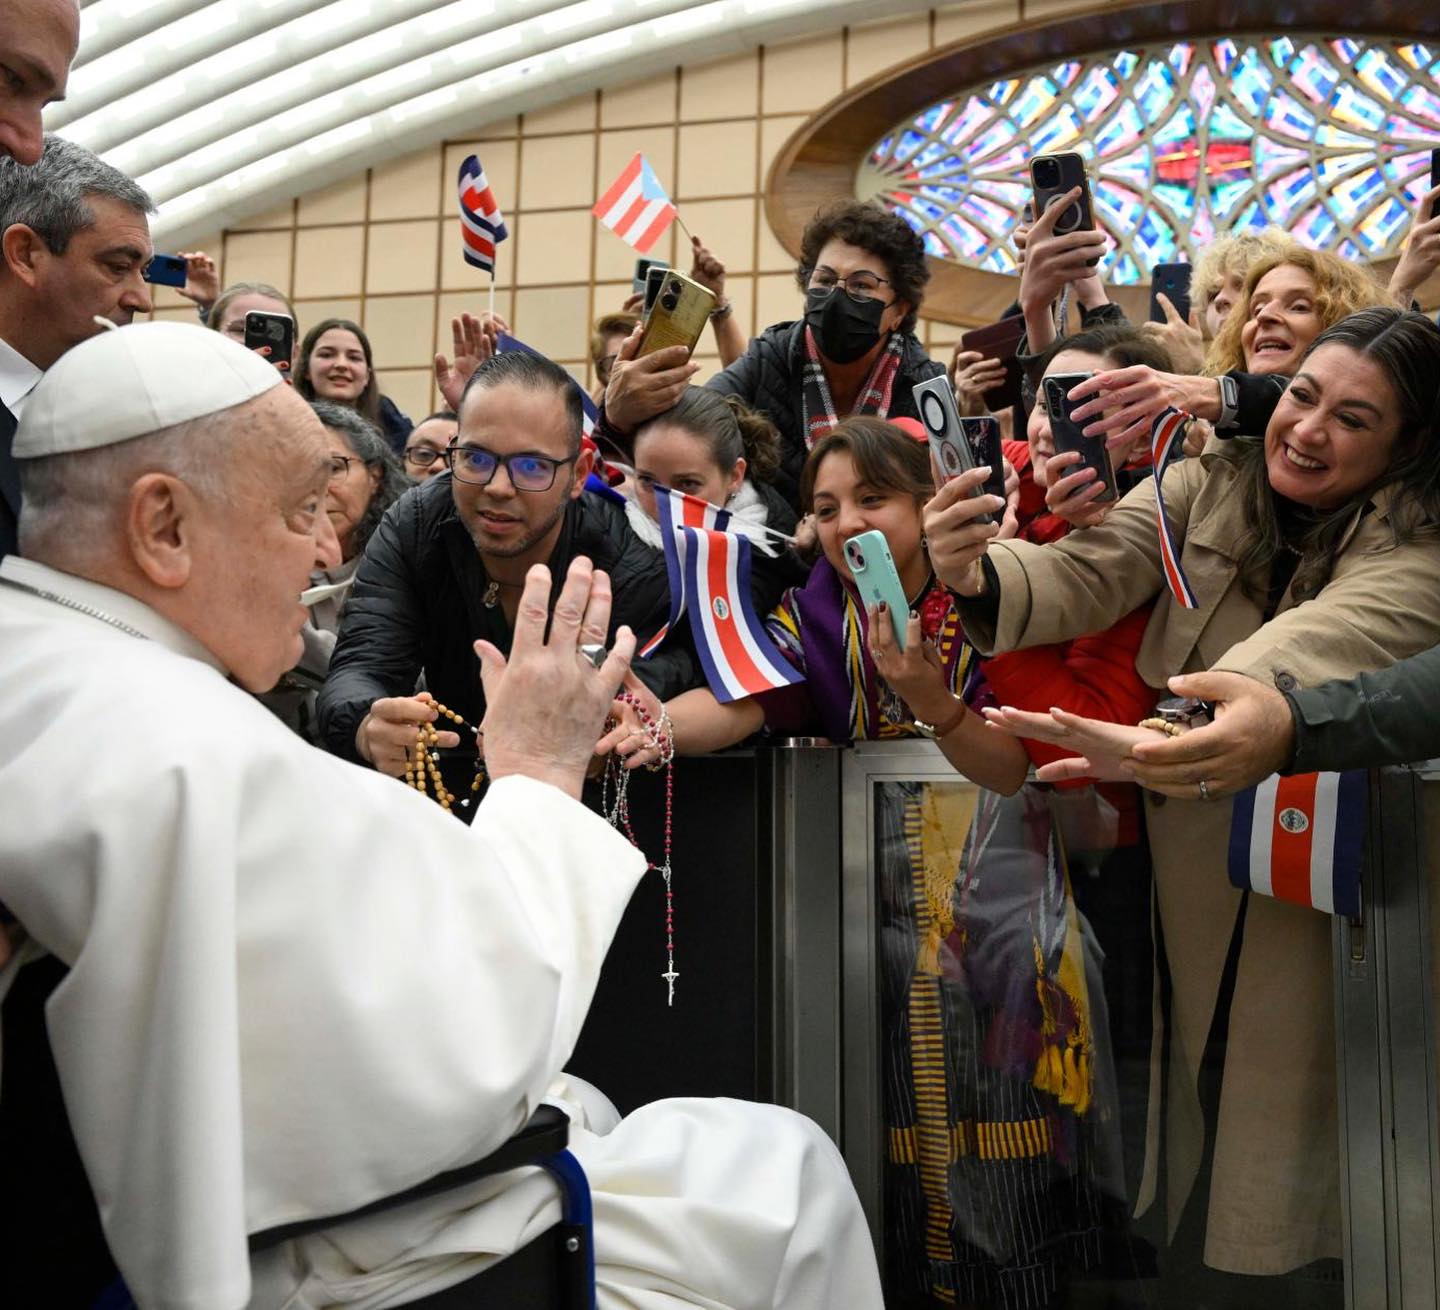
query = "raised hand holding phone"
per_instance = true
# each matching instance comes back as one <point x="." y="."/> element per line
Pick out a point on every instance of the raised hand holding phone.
<point x="876" y="578"/>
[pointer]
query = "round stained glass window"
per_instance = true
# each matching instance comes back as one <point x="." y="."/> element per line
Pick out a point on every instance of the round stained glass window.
<point x="1326" y="137"/>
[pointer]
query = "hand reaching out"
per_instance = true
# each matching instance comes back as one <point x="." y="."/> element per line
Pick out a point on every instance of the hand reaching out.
<point x="474" y="341"/>
<point x="972" y="375"/>
<point x="708" y="271"/>
<point x="1183" y="341"/>
<point x="202" y="279"/>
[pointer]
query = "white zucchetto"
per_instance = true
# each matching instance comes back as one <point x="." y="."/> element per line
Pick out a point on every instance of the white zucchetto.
<point x="136" y="380"/>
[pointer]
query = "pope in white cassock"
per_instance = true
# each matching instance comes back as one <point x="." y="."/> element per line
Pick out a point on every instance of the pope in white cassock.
<point x="295" y="985"/>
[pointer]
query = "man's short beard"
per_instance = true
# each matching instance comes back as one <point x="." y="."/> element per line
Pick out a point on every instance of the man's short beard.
<point x="511" y="549"/>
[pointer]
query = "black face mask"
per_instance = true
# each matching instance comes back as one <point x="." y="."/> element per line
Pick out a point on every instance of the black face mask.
<point x="844" y="328"/>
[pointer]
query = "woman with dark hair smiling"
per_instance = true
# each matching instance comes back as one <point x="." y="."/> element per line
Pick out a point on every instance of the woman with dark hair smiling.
<point x="336" y="364"/>
<point x="1312" y="553"/>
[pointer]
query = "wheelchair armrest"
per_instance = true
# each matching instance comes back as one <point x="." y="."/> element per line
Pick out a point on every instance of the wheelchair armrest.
<point x="546" y="1133"/>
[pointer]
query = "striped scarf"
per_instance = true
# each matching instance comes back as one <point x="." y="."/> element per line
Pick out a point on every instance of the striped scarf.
<point x="818" y="410"/>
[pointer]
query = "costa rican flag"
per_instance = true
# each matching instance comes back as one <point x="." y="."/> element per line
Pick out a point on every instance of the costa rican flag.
<point x="1302" y="839"/>
<point x="636" y="207"/>
<point x="1168" y="428"/>
<point x="481" y="226"/>
<point x="504" y="341"/>
<point x="675" y="509"/>
<point x="738" y="656"/>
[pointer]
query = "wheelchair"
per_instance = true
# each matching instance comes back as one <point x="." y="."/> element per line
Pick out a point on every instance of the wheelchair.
<point x="49" y="1224"/>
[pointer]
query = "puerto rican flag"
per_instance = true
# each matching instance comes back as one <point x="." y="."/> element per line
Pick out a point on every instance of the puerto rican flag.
<point x="505" y="341"/>
<point x="481" y="226"/>
<point x="1302" y="839"/>
<point x="1168" y="429"/>
<point x="636" y="207"/>
<point x="675" y="509"/>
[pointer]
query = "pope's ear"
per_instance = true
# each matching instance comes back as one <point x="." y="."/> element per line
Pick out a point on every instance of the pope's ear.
<point x="159" y="528"/>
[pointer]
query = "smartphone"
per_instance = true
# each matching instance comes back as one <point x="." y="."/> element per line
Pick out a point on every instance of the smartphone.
<point x="1173" y="280"/>
<point x="679" y="315"/>
<point x="653" y="280"/>
<point x="935" y="403"/>
<point x="642" y="270"/>
<point x="982" y="435"/>
<point x="1051" y="176"/>
<point x="165" y="271"/>
<point x="1067" y="435"/>
<point x="1435" y="180"/>
<point x="274" y="330"/>
<point x="1000" y="341"/>
<point x="868" y="556"/>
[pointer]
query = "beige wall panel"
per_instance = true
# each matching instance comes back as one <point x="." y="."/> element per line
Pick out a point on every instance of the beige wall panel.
<point x="802" y="75"/>
<point x="329" y="261"/>
<point x="615" y="261"/>
<point x="260" y="257"/>
<point x="728" y="88"/>
<point x="640" y="104"/>
<point x="774" y="133"/>
<point x="716" y="159"/>
<point x="498" y="159"/>
<point x="499" y="128"/>
<point x="610" y="297"/>
<point x="727" y="227"/>
<point x="772" y="257"/>
<point x="457" y="275"/>
<point x="960" y="22"/>
<point x="741" y="293"/>
<point x="408" y="388"/>
<point x="1047" y="9"/>
<point x="175" y="314"/>
<point x="310" y="312"/>
<point x="163" y="297"/>
<point x="555" y="320"/>
<point x="342" y="203"/>
<point x="280" y="216"/>
<point x="402" y="331"/>
<point x="401" y="257"/>
<point x="577" y="115"/>
<point x="556" y="172"/>
<point x="942" y="337"/>
<point x="874" y="47"/>
<point x="409" y="187"/>
<point x="777" y="300"/>
<point x="617" y="149"/>
<point x="556" y="247"/>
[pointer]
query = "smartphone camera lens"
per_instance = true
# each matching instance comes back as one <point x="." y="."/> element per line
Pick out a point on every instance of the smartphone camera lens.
<point x="670" y="300"/>
<point x="932" y="412"/>
<point x="852" y="553"/>
<point x="1047" y="173"/>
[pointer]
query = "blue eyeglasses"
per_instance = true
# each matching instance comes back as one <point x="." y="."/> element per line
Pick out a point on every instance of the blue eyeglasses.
<point x="476" y="465"/>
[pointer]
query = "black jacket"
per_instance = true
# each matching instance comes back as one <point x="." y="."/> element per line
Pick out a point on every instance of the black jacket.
<point x="417" y="606"/>
<point x="9" y="485"/>
<point x="768" y="377"/>
<point x="1388" y="717"/>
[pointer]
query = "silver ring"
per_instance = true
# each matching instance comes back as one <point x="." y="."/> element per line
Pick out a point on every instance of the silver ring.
<point x="594" y="652"/>
<point x="1204" y="790"/>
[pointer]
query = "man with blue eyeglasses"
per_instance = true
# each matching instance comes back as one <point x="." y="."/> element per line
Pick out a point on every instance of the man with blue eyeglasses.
<point x="447" y="566"/>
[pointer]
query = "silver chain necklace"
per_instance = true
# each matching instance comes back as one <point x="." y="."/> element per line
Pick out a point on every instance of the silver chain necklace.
<point x="78" y="606"/>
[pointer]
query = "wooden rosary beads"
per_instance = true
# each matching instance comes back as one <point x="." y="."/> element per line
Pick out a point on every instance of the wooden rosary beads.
<point x="424" y="763"/>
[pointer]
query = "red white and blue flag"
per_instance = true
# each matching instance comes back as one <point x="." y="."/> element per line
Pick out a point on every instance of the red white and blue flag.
<point x="1302" y="839"/>
<point x="636" y="207"/>
<point x="1169" y="428"/>
<point x="504" y="341"/>
<point x="481" y="226"/>
<point x="675" y="509"/>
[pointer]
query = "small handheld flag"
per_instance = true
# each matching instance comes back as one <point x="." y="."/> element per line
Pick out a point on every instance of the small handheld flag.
<point x="675" y="509"/>
<point x="481" y="226"/>
<point x="1302" y="839"/>
<point x="1168" y="428"/>
<point x="636" y="207"/>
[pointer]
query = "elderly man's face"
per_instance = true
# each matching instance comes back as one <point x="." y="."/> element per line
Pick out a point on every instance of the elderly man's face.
<point x="255" y="545"/>
<point x="38" y="39"/>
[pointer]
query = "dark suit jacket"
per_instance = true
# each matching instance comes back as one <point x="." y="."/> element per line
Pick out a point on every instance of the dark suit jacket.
<point x="9" y="485"/>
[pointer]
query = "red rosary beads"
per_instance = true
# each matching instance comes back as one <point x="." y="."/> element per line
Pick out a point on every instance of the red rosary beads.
<point x="660" y="737"/>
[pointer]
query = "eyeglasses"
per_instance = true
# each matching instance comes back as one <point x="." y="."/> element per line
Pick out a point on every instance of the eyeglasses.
<point x="423" y="456"/>
<point x="340" y="466"/>
<point x="476" y="465"/>
<point x="858" y="286"/>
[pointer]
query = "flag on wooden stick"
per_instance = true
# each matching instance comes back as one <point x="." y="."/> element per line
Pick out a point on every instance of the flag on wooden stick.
<point x="481" y="226"/>
<point x="636" y="207"/>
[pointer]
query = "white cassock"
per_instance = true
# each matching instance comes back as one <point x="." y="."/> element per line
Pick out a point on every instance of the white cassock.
<point x="296" y="986"/>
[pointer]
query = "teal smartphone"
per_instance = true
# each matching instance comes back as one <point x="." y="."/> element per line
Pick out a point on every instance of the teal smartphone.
<point x="868" y="556"/>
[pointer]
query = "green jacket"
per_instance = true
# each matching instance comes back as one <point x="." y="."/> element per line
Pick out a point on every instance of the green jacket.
<point x="1391" y="716"/>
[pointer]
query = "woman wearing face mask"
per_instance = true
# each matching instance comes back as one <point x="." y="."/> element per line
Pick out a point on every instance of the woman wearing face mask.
<point x="863" y="272"/>
<point x="1313" y="553"/>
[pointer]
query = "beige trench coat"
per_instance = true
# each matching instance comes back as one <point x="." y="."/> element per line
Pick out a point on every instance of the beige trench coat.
<point x="1275" y="1189"/>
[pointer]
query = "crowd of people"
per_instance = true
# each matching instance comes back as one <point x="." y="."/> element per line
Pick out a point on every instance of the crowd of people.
<point x="255" y="1017"/>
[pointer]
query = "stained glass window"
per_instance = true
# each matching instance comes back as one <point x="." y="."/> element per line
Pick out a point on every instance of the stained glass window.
<point x="1326" y="137"/>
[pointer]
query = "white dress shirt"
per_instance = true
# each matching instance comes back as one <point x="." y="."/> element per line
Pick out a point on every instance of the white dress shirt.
<point x="18" y="377"/>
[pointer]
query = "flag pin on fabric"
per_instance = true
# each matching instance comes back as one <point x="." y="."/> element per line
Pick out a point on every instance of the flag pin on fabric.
<point x="636" y="207"/>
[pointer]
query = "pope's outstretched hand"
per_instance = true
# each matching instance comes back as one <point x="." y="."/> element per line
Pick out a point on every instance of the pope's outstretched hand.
<point x="545" y="706"/>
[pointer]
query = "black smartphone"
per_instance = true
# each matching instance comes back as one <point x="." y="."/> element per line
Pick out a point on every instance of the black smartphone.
<point x="165" y="271"/>
<point x="982" y="433"/>
<point x="274" y="330"/>
<point x="954" y="454"/>
<point x="1435" y="180"/>
<point x="1051" y="176"/>
<point x="654" y="280"/>
<point x="1173" y="280"/>
<point x="1066" y="433"/>
<point x="642" y="269"/>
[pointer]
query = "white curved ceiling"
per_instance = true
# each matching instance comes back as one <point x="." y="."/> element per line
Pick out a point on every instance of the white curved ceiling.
<point x="225" y="109"/>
